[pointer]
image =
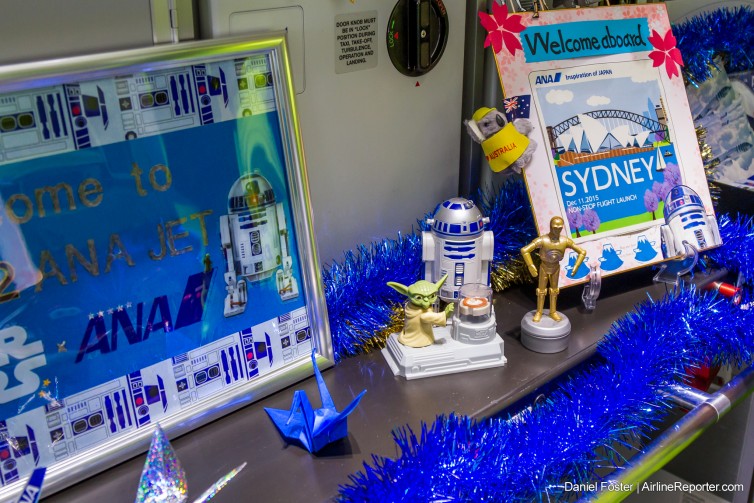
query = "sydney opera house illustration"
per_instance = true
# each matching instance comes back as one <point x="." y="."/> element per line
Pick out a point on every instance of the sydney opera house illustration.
<point x="601" y="134"/>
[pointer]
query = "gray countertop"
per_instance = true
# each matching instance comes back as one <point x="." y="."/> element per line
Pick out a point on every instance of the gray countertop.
<point x="280" y="473"/>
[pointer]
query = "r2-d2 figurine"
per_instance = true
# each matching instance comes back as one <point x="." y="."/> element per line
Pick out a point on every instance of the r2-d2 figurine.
<point x="457" y="245"/>
<point x="254" y="238"/>
<point x="686" y="221"/>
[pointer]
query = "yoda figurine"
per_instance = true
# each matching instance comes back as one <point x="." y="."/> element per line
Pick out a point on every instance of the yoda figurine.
<point x="417" y="329"/>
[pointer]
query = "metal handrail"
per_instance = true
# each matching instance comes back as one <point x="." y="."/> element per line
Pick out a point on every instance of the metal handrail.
<point x="675" y="439"/>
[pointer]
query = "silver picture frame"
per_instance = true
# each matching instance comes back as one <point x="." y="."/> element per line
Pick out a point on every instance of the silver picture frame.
<point x="54" y="415"/>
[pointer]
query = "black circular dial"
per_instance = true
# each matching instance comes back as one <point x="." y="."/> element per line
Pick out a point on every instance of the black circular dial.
<point x="417" y="33"/>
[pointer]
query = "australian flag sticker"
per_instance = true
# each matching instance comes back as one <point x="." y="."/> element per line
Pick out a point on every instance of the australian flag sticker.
<point x="517" y="107"/>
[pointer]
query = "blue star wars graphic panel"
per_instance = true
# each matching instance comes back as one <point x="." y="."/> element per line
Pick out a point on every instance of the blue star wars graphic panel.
<point x="148" y="252"/>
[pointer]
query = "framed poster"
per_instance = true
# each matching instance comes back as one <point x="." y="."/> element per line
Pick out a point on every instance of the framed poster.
<point x="156" y="248"/>
<point x="603" y="90"/>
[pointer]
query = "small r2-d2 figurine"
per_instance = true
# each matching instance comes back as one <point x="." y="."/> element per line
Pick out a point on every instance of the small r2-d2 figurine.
<point x="456" y="251"/>
<point x="254" y="238"/>
<point x="686" y="221"/>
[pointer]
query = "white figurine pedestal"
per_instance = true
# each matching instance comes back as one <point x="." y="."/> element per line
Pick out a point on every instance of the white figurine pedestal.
<point x="445" y="356"/>
<point x="546" y="335"/>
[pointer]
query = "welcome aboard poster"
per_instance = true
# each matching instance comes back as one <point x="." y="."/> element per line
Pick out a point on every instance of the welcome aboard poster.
<point x="602" y="86"/>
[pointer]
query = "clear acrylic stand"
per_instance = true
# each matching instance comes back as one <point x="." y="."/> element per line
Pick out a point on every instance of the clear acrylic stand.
<point x="670" y="272"/>
<point x="592" y="289"/>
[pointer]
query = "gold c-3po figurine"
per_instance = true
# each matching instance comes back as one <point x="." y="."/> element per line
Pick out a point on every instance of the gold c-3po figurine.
<point x="552" y="248"/>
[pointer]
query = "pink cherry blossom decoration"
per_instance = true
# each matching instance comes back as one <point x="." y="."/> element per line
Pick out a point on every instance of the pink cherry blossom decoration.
<point x="501" y="28"/>
<point x="665" y="52"/>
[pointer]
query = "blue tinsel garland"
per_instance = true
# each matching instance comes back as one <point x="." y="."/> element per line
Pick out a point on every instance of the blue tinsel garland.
<point x="512" y="223"/>
<point x="723" y="32"/>
<point x="527" y="458"/>
<point x="737" y="254"/>
<point x="357" y="296"/>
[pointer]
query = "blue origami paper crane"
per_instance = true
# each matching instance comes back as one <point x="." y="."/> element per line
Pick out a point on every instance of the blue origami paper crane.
<point x="33" y="486"/>
<point x="313" y="429"/>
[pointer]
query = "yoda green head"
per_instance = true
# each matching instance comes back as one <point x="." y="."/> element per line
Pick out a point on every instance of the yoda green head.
<point x="422" y="293"/>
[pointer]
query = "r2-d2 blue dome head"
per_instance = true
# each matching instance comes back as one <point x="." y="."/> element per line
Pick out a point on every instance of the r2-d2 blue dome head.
<point x="681" y="199"/>
<point x="457" y="217"/>
<point x="249" y="192"/>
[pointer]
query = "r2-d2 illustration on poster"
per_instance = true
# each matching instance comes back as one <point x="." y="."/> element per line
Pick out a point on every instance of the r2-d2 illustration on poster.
<point x="254" y="238"/>
<point x="686" y="222"/>
<point x="457" y="245"/>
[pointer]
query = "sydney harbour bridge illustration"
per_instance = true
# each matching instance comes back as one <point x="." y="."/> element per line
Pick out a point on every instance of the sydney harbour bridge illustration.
<point x="607" y="133"/>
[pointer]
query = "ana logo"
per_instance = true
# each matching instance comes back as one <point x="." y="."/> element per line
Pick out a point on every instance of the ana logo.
<point x="34" y="486"/>
<point x="30" y="495"/>
<point x="31" y="356"/>
<point x="548" y="79"/>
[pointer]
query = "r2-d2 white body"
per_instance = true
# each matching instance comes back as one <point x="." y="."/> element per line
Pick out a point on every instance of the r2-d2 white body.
<point x="457" y="245"/>
<point x="686" y="221"/>
<point x="254" y="239"/>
